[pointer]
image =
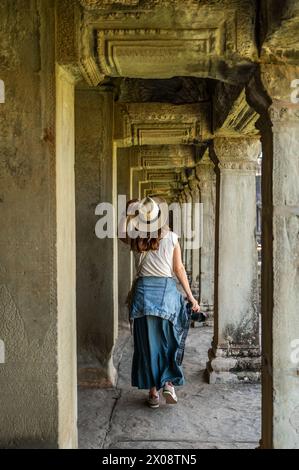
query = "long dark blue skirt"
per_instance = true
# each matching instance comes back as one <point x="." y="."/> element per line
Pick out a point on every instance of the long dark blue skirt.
<point x="155" y="346"/>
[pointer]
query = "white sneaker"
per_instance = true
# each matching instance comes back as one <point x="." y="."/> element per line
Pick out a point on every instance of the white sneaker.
<point x="170" y="395"/>
<point x="153" y="401"/>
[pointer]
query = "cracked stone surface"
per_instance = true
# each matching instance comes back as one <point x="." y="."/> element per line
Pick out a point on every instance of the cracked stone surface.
<point x="206" y="416"/>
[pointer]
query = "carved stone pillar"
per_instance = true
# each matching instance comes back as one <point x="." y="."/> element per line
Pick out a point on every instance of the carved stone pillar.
<point x="235" y="351"/>
<point x="181" y="240"/>
<point x="285" y="120"/>
<point x="195" y="271"/>
<point x="207" y="183"/>
<point x="188" y="225"/>
<point x="279" y="127"/>
<point x="183" y="226"/>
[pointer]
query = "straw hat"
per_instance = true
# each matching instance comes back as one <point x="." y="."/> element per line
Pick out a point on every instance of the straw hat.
<point x="150" y="215"/>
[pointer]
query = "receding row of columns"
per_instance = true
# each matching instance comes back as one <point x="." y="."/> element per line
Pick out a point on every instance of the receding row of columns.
<point x="38" y="271"/>
<point x="225" y="268"/>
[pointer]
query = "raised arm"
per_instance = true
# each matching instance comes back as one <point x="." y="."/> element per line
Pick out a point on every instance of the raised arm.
<point x="122" y="229"/>
<point x="180" y="272"/>
<point x="131" y="208"/>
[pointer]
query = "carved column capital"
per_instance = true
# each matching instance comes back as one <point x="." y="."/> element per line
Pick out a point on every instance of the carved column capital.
<point x="205" y="174"/>
<point x="194" y="188"/>
<point x="237" y="154"/>
<point x="187" y="193"/>
<point x="181" y="198"/>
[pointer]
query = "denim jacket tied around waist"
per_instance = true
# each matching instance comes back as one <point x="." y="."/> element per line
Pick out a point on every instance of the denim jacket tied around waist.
<point x="159" y="296"/>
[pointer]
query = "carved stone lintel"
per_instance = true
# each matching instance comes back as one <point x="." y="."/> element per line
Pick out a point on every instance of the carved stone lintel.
<point x="188" y="38"/>
<point x="97" y="4"/>
<point x="155" y="52"/>
<point x="159" y="123"/>
<point x="166" y="156"/>
<point x="162" y="175"/>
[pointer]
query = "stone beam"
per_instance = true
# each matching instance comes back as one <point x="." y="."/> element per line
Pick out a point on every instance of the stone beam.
<point x="177" y="38"/>
<point x="162" y="156"/>
<point x="166" y="156"/>
<point x="160" y="123"/>
<point x="163" y="175"/>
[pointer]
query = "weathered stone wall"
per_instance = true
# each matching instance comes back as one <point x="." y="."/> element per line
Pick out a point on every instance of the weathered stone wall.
<point x="30" y="378"/>
<point x="96" y="293"/>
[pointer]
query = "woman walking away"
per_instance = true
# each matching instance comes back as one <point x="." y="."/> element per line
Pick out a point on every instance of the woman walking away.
<point x="157" y="309"/>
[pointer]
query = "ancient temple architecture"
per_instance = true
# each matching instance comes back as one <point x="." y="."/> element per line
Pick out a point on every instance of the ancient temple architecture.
<point x="177" y="98"/>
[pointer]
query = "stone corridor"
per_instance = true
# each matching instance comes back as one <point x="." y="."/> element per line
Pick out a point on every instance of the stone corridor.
<point x="103" y="101"/>
<point x="206" y="417"/>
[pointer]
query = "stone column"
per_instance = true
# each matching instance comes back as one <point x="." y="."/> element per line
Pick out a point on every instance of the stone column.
<point x="207" y="184"/>
<point x="181" y="239"/>
<point x="97" y="300"/>
<point x="188" y="224"/>
<point x="235" y="352"/>
<point x="195" y="271"/>
<point x="279" y="127"/>
<point x="285" y="326"/>
<point x="38" y="380"/>
<point x="183" y="225"/>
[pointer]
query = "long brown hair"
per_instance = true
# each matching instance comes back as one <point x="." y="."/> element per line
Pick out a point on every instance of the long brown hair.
<point x="145" y="243"/>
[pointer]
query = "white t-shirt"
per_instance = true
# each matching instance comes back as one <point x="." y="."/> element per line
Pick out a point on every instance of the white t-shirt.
<point x="158" y="262"/>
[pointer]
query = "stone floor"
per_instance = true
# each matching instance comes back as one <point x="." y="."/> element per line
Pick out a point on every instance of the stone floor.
<point x="206" y="417"/>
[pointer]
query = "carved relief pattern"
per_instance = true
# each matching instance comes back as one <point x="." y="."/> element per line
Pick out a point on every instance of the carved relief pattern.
<point x="206" y="175"/>
<point x="237" y="154"/>
<point x="166" y="156"/>
<point x="90" y="71"/>
<point x="159" y="124"/>
<point x="156" y="52"/>
<point x="66" y="32"/>
<point x="107" y="3"/>
<point x="161" y="175"/>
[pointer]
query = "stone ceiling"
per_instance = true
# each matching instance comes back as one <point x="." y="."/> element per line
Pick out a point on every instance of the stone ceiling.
<point x="178" y="68"/>
<point x="176" y="90"/>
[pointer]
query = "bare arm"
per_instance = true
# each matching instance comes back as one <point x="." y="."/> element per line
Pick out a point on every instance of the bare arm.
<point x="180" y="272"/>
<point x="122" y="229"/>
<point x="124" y="223"/>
